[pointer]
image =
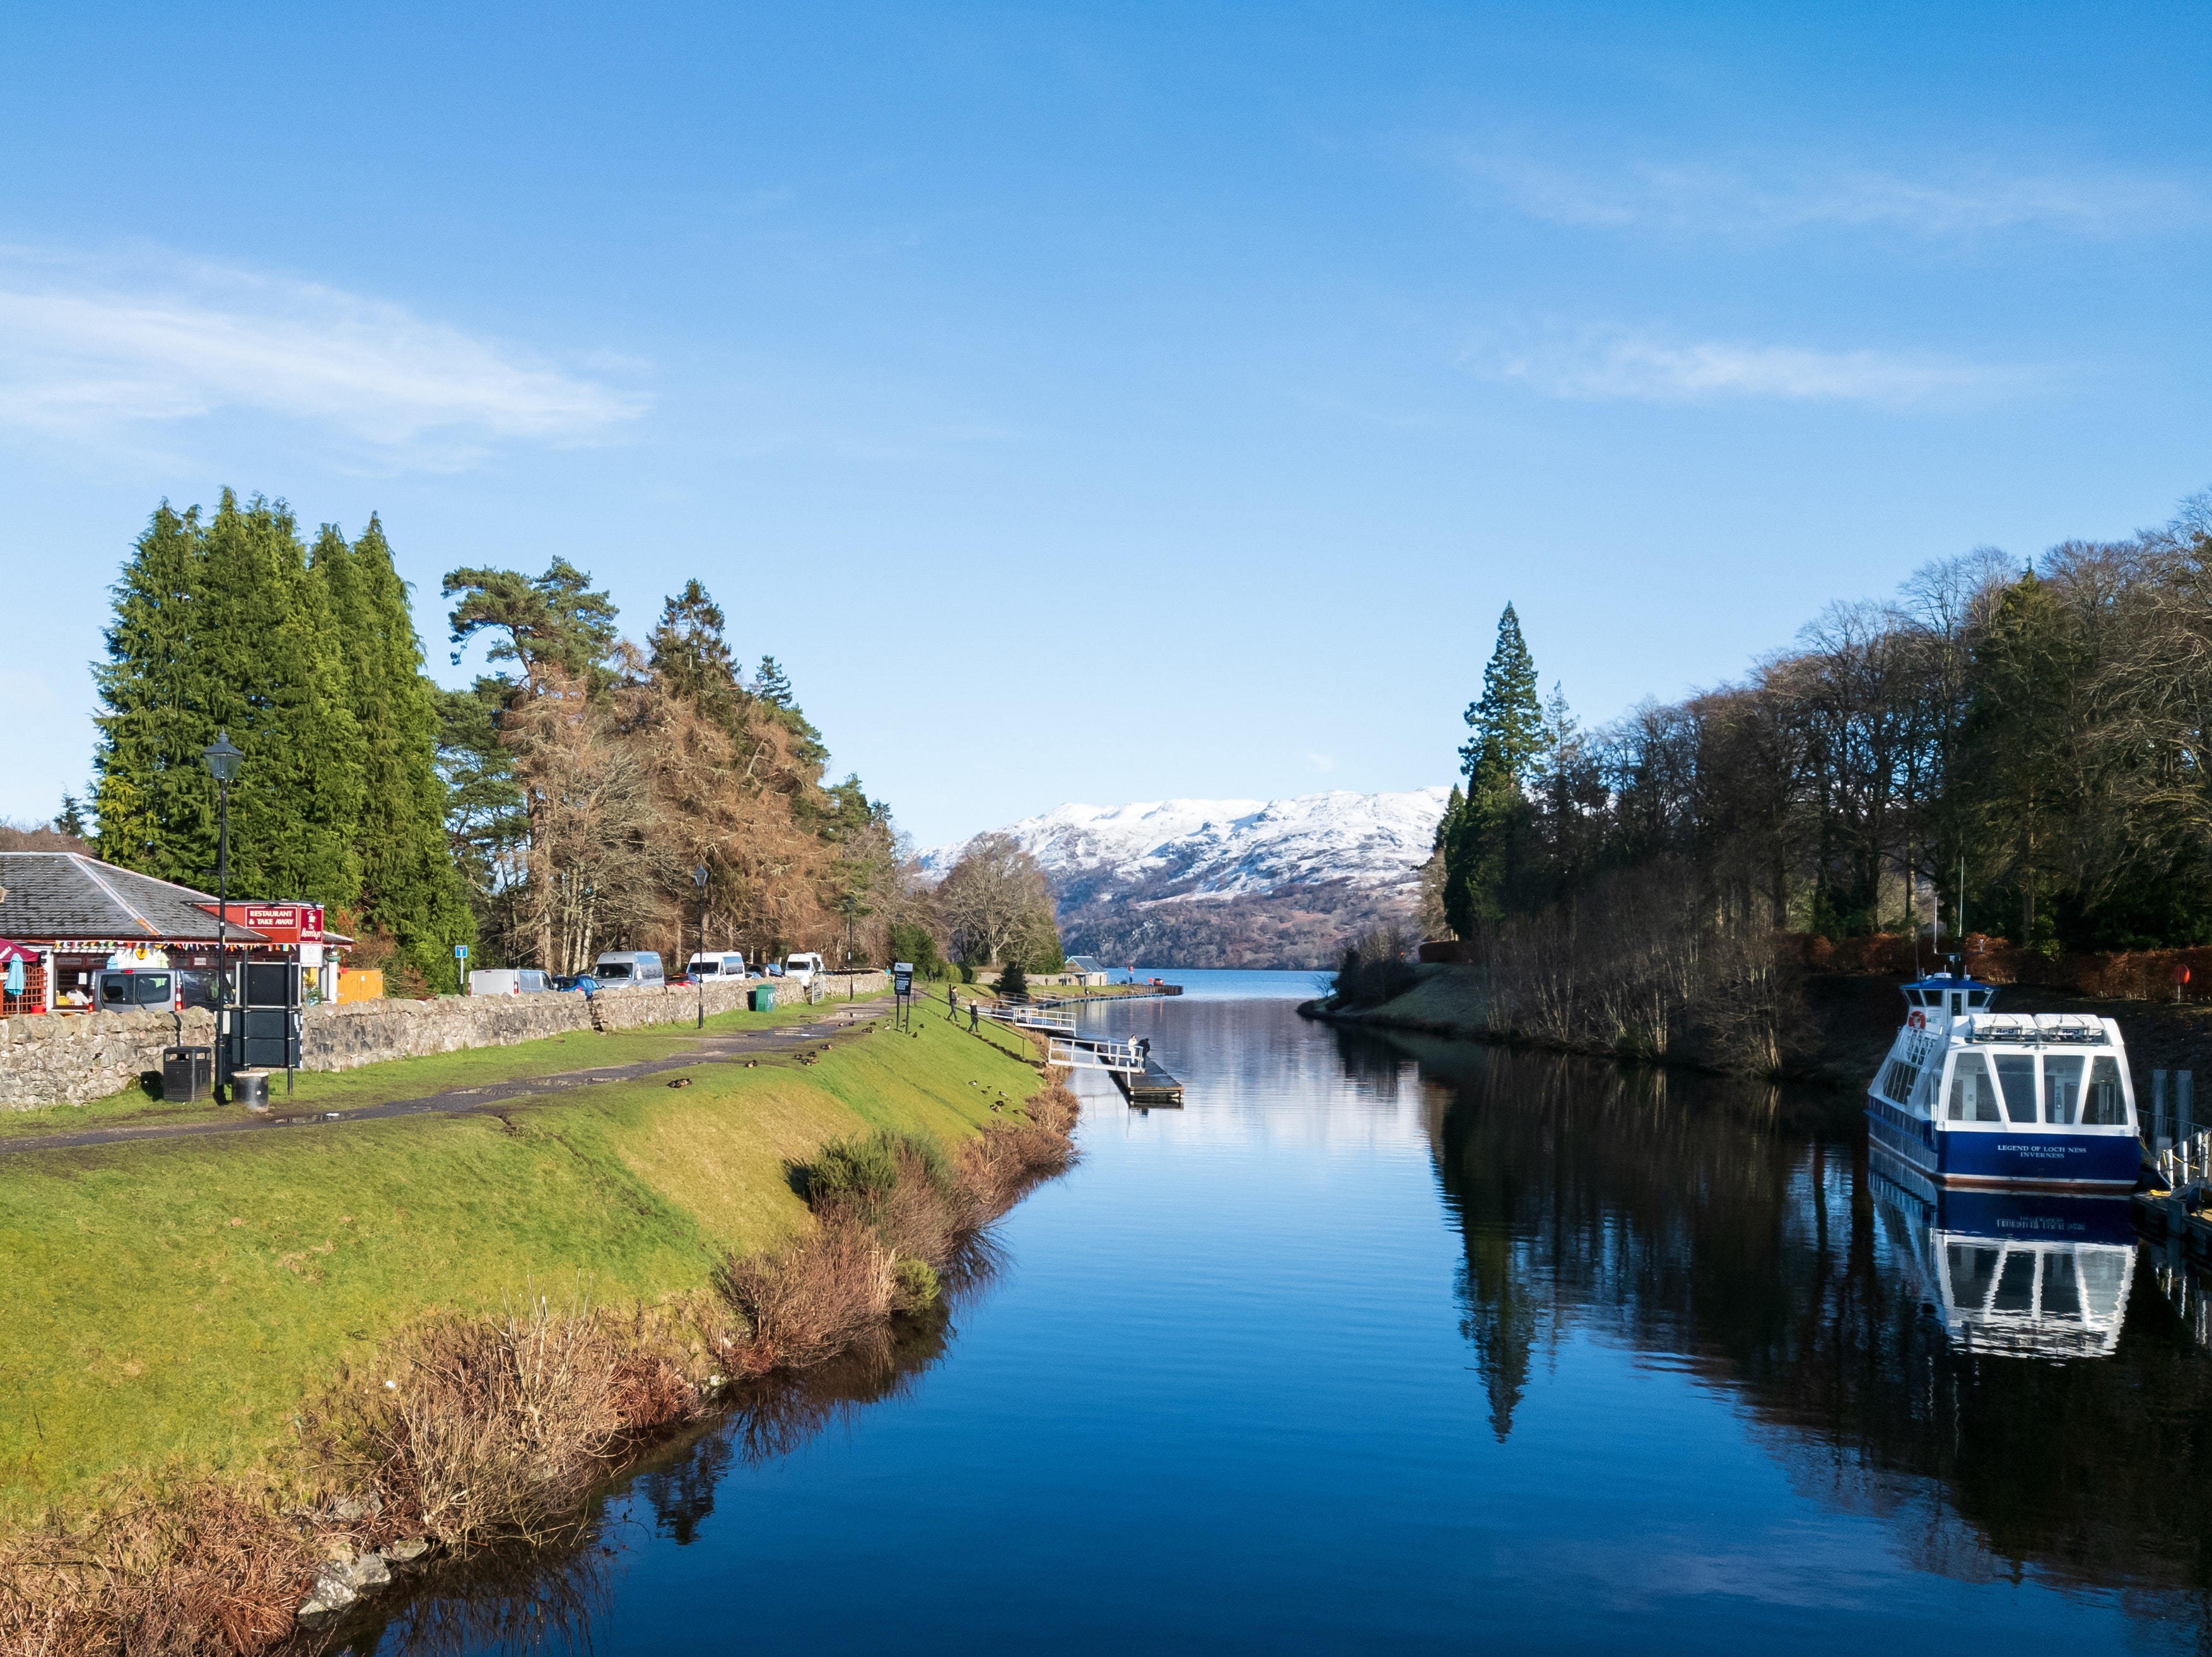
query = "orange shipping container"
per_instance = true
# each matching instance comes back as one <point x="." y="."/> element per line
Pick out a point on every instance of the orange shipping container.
<point x="361" y="984"/>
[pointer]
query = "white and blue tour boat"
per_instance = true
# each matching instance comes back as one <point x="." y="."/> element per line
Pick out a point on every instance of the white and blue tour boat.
<point x="1970" y="1097"/>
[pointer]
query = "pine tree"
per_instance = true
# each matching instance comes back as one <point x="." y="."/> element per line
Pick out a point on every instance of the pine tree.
<point x="771" y="683"/>
<point x="1489" y="852"/>
<point x="269" y="668"/>
<point x="409" y="886"/>
<point x="553" y="621"/>
<point x="151" y="793"/>
<point x="692" y="658"/>
<point x="1507" y="720"/>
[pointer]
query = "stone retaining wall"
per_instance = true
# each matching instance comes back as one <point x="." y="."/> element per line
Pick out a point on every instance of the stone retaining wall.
<point x="72" y="1059"/>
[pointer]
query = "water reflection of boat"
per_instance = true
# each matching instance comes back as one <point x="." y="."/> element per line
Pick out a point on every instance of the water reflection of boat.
<point x="2013" y="1273"/>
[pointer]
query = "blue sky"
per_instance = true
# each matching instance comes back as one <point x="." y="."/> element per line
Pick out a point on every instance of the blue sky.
<point x="1212" y="375"/>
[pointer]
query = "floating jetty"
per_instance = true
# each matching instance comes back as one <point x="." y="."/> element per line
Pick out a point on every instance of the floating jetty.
<point x="1150" y="1086"/>
<point x="1135" y="1072"/>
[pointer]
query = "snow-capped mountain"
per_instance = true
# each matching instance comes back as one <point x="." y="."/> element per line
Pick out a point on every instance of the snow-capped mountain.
<point x="1204" y="848"/>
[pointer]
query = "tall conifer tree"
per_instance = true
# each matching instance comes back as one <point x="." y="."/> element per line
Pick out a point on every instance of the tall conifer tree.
<point x="152" y="797"/>
<point x="409" y="886"/>
<point x="267" y="657"/>
<point x="1492" y="835"/>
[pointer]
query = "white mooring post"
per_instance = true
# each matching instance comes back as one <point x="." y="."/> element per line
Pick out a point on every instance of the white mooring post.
<point x="2185" y="1103"/>
<point x="2161" y="1139"/>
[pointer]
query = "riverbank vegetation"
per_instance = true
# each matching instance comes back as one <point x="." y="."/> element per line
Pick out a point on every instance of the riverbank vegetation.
<point x="2022" y="736"/>
<point x="496" y="1314"/>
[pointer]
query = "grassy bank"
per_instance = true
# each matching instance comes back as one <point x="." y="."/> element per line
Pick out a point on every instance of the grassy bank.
<point x="171" y="1305"/>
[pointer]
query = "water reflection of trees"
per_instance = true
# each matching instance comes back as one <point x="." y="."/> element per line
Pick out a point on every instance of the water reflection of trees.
<point x="531" y="1601"/>
<point x="1690" y="1217"/>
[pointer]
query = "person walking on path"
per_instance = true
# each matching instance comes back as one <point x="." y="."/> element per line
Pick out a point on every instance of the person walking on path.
<point x="971" y="1018"/>
<point x="951" y="1005"/>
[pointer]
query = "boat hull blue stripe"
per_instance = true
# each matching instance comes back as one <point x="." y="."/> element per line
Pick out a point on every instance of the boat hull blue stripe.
<point x="2104" y="1161"/>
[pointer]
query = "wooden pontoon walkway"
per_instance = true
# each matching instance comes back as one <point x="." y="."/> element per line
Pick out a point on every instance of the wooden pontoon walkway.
<point x="1150" y="1086"/>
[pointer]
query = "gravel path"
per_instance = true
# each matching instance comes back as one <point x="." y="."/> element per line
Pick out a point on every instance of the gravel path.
<point x="487" y="1099"/>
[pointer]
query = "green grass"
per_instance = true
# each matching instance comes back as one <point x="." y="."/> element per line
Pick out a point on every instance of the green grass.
<point x="171" y="1306"/>
<point x="406" y="1079"/>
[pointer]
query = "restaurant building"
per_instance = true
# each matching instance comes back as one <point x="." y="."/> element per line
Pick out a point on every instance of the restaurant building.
<point x="65" y="918"/>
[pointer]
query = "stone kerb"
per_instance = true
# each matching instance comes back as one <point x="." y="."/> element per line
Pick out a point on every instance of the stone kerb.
<point x="74" y="1059"/>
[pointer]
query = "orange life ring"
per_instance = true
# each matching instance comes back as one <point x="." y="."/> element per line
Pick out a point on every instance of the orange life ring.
<point x="1918" y="1020"/>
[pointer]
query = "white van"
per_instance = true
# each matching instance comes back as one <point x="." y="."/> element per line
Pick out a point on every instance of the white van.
<point x="509" y="980"/>
<point x="628" y="967"/>
<point x="803" y="967"/>
<point x="730" y="964"/>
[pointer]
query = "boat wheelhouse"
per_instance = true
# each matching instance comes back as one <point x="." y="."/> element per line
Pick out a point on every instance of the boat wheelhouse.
<point x="1969" y="1097"/>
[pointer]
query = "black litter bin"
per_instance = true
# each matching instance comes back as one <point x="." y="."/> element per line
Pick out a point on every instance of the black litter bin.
<point x="187" y="1074"/>
<point x="250" y="1088"/>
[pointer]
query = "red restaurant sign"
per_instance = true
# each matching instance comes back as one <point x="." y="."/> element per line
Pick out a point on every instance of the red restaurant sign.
<point x="280" y="923"/>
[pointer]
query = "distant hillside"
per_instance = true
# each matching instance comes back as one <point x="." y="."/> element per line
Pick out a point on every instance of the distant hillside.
<point x="1228" y="883"/>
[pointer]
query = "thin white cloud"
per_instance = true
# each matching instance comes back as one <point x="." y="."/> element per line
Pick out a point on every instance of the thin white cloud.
<point x="87" y="349"/>
<point x="1321" y="761"/>
<point x="1623" y="365"/>
<point x="1749" y="200"/>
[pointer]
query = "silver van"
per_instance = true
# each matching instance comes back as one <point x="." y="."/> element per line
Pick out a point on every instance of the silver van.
<point x="628" y="967"/>
<point x="510" y="981"/>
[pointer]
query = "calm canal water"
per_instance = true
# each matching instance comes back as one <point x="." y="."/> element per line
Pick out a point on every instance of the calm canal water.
<point x="1384" y="1343"/>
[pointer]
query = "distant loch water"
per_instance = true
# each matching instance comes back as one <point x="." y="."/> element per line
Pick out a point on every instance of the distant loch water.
<point x="1396" y="1344"/>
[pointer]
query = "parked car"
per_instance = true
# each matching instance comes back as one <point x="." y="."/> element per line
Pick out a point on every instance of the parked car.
<point x="803" y="967"/>
<point x="173" y="989"/>
<point x="727" y="964"/>
<point x="619" y="967"/>
<point x="509" y="980"/>
<point x="583" y="981"/>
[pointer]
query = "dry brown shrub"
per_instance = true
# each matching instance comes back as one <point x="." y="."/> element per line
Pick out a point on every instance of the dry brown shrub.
<point x="812" y="1302"/>
<point x="652" y="1393"/>
<point x="495" y="1428"/>
<point x="206" y="1569"/>
<point x="1006" y="1159"/>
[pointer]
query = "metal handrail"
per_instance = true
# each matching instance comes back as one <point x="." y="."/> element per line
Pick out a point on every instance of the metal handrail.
<point x="2188" y="1163"/>
<point x="1033" y="1018"/>
<point x="1091" y="1053"/>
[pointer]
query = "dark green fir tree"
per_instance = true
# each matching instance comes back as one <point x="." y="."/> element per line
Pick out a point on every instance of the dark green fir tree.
<point x="269" y="662"/>
<point x="151" y="794"/>
<point x="409" y="886"/>
<point x="1494" y="828"/>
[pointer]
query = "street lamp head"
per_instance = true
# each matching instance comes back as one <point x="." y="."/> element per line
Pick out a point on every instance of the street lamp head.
<point x="699" y="877"/>
<point x="222" y="759"/>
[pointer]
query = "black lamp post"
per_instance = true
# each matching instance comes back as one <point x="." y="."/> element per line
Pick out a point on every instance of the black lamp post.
<point x="223" y="763"/>
<point x="699" y="879"/>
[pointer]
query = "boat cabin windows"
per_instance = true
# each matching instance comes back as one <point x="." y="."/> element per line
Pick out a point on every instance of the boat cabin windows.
<point x="2103" y="1104"/>
<point x="2017" y="1076"/>
<point x="1974" y="1095"/>
<point x="1977" y="999"/>
<point x="2075" y="1088"/>
<point x="2061" y="1088"/>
